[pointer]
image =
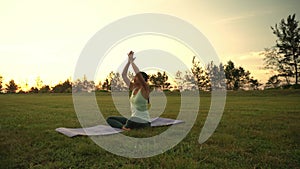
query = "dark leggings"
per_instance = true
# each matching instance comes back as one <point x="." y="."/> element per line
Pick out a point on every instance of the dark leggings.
<point x="132" y="122"/>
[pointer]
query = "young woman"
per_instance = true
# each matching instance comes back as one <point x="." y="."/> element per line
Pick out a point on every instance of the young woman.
<point x="139" y="100"/>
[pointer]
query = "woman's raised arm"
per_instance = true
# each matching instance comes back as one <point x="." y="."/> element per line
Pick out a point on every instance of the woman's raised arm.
<point x="136" y="71"/>
<point x="124" y="74"/>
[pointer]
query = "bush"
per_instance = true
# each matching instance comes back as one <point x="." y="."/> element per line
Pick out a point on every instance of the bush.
<point x="286" y="86"/>
<point x="296" y="86"/>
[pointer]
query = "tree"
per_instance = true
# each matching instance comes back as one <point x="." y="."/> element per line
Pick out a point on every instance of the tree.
<point x="160" y="80"/>
<point x="114" y="82"/>
<point x="239" y="78"/>
<point x="1" y="78"/>
<point x="273" y="82"/>
<point x="106" y="85"/>
<point x="11" y="87"/>
<point x="288" y="44"/>
<point x="232" y="76"/>
<point x="39" y="87"/>
<point x="164" y="79"/>
<point x="253" y="84"/>
<point x="33" y="90"/>
<point x="99" y="86"/>
<point x="200" y="74"/>
<point x="65" y="87"/>
<point x="216" y="76"/>
<point x="130" y="76"/>
<point x="83" y="85"/>
<point x="179" y="80"/>
<point x="117" y="83"/>
<point x="45" y="89"/>
<point x="272" y="61"/>
<point x="185" y="82"/>
<point x="38" y="82"/>
<point x="189" y="81"/>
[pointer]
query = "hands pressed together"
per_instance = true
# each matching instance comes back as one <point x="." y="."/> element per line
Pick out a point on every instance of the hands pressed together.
<point x="130" y="57"/>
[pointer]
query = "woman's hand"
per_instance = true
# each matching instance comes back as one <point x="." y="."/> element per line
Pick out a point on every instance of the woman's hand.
<point x="130" y="57"/>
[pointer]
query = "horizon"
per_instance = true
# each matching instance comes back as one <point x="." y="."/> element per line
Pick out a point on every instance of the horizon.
<point x="36" y="42"/>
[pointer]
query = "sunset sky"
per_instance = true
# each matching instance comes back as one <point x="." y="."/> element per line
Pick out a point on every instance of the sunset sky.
<point x="45" y="38"/>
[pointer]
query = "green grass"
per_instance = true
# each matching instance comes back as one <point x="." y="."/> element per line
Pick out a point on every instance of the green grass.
<point x="259" y="129"/>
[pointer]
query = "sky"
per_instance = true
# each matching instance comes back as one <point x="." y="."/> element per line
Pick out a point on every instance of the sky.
<point x="45" y="38"/>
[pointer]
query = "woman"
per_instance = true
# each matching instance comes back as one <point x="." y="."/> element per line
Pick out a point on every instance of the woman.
<point x="139" y="100"/>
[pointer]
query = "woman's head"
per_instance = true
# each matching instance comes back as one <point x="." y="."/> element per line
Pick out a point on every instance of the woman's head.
<point x="144" y="75"/>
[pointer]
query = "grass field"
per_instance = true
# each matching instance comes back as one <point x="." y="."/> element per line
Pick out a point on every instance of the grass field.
<point x="259" y="129"/>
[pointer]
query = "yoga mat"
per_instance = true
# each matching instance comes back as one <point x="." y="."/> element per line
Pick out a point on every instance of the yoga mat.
<point x="101" y="130"/>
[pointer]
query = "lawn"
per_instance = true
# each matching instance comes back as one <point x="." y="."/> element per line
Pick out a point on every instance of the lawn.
<point x="259" y="129"/>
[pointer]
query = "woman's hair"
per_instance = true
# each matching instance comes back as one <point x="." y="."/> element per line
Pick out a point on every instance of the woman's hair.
<point x="145" y="76"/>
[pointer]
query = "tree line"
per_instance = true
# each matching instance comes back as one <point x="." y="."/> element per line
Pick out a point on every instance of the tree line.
<point x="198" y="77"/>
<point x="12" y="87"/>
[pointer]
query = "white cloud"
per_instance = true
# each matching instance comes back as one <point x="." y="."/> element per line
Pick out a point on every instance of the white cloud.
<point x="236" y="18"/>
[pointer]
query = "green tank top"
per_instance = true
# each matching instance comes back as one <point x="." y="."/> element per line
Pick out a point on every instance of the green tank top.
<point x="139" y="105"/>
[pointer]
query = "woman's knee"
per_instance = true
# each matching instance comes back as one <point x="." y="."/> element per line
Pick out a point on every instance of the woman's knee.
<point x="116" y="119"/>
<point x="109" y="119"/>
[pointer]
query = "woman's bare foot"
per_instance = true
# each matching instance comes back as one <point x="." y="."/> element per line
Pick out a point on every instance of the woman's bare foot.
<point x="124" y="128"/>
